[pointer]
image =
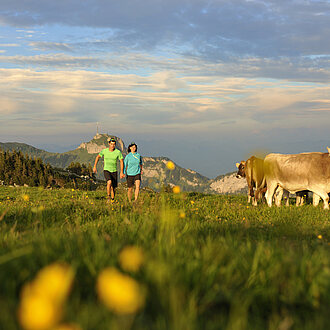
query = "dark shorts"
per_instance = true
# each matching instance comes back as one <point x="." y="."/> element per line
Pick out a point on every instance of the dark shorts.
<point x="112" y="176"/>
<point x="131" y="179"/>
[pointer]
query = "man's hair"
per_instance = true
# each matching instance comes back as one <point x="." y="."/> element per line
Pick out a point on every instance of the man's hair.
<point x="111" y="140"/>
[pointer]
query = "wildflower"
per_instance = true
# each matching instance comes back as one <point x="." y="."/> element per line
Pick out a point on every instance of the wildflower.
<point x="176" y="189"/>
<point x="319" y="236"/>
<point x="37" y="312"/>
<point x="119" y="292"/>
<point x="72" y="189"/>
<point x="170" y="165"/>
<point x="26" y="198"/>
<point x="192" y="202"/>
<point x="54" y="282"/>
<point x="131" y="258"/>
<point x="182" y="215"/>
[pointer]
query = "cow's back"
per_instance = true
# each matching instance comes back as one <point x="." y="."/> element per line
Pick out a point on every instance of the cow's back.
<point x="299" y="171"/>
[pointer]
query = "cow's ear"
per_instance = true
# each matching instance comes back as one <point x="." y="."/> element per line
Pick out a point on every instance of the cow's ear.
<point x="237" y="165"/>
<point x="328" y="150"/>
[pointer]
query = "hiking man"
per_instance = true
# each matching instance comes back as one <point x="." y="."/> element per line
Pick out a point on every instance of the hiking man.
<point x="111" y="155"/>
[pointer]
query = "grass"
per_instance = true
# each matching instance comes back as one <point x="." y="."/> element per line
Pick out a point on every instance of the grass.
<point x="211" y="261"/>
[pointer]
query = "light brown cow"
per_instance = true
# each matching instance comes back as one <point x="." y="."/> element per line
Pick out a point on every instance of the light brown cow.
<point x="253" y="171"/>
<point x="306" y="171"/>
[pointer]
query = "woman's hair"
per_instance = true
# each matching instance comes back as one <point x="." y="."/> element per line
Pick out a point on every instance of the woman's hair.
<point x="131" y="145"/>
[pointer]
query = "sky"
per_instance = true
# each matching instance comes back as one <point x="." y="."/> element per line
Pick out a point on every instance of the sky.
<point x="205" y="83"/>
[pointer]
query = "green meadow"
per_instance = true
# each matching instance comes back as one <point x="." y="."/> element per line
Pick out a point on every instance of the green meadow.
<point x="210" y="261"/>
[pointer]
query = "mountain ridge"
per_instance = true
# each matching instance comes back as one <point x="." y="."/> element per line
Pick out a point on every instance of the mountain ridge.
<point x="155" y="172"/>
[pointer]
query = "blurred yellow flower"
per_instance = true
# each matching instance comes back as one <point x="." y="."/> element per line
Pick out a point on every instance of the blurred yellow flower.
<point x="192" y="202"/>
<point x="170" y="165"/>
<point x="37" y="312"/>
<point x="319" y="237"/>
<point x="131" y="258"/>
<point x="26" y="198"/>
<point x="72" y="189"/>
<point x="54" y="282"/>
<point x="119" y="292"/>
<point x="176" y="189"/>
<point x="182" y="215"/>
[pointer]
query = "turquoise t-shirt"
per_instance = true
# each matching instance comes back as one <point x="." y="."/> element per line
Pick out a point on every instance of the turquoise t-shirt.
<point x="110" y="159"/>
<point x="132" y="164"/>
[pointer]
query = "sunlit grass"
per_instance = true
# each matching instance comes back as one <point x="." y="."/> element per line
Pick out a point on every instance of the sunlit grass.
<point x="195" y="261"/>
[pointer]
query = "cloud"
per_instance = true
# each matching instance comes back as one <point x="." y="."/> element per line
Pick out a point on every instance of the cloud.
<point x="213" y="29"/>
<point x="51" y="46"/>
<point x="86" y="96"/>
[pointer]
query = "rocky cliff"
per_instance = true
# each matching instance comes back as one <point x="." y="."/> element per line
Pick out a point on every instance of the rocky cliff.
<point x="100" y="141"/>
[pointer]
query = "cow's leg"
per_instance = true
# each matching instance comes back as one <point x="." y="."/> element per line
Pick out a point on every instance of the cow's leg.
<point x="324" y="196"/>
<point x="316" y="199"/>
<point x="286" y="196"/>
<point x="278" y="196"/>
<point x="270" y="192"/>
<point x="249" y="198"/>
<point x="298" y="199"/>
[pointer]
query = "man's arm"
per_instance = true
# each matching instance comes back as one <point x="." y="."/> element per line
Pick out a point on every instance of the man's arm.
<point x="96" y="160"/>
<point x="122" y="175"/>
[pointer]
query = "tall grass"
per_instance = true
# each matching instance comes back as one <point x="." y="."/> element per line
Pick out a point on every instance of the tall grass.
<point x="211" y="261"/>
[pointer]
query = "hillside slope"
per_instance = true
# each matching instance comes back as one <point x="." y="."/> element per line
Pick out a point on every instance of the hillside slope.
<point x="155" y="172"/>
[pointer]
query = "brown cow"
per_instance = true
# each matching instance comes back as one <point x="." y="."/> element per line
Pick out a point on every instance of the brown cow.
<point x="253" y="171"/>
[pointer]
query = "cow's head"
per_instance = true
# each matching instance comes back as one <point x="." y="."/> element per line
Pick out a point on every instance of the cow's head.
<point x="240" y="169"/>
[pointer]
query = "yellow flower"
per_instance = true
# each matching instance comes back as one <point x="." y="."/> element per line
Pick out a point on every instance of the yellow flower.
<point x="119" y="292"/>
<point x="319" y="236"/>
<point x="54" y="282"/>
<point x="37" y="312"/>
<point x="182" y="215"/>
<point x="192" y="202"/>
<point x="26" y="198"/>
<point x="170" y="165"/>
<point x="176" y="189"/>
<point x="72" y="189"/>
<point x="131" y="258"/>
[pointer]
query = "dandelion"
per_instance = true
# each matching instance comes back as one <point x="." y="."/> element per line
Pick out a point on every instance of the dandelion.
<point x="26" y="198"/>
<point x="54" y="282"/>
<point x="182" y="215"/>
<point x="37" y="312"/>
<point x="170" y="165"/>
<point x="72" y="189"/>
<point x="176" y="189"/>
<point x="319" y="237"/>
<point x="192" y="202"/>
<point x="119" y="292"/>
<point x="131" y="258"/>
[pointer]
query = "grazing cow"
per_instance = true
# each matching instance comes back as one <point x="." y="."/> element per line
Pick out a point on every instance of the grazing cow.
<point x="306" y="171"/>
<point x="253" y="171"/>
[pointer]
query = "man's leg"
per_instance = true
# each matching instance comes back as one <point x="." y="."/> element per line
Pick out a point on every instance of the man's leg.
<point x="110" y="190"/>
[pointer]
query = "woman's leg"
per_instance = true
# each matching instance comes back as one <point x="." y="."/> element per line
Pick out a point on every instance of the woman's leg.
<point x="137" y="188"/>
<point x="130" y="193"/>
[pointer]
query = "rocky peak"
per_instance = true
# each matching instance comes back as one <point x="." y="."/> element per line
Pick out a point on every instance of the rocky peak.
<point x="100" y="141"/>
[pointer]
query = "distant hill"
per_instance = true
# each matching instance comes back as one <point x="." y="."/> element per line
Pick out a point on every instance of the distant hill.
<point x="155" y="171"/>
